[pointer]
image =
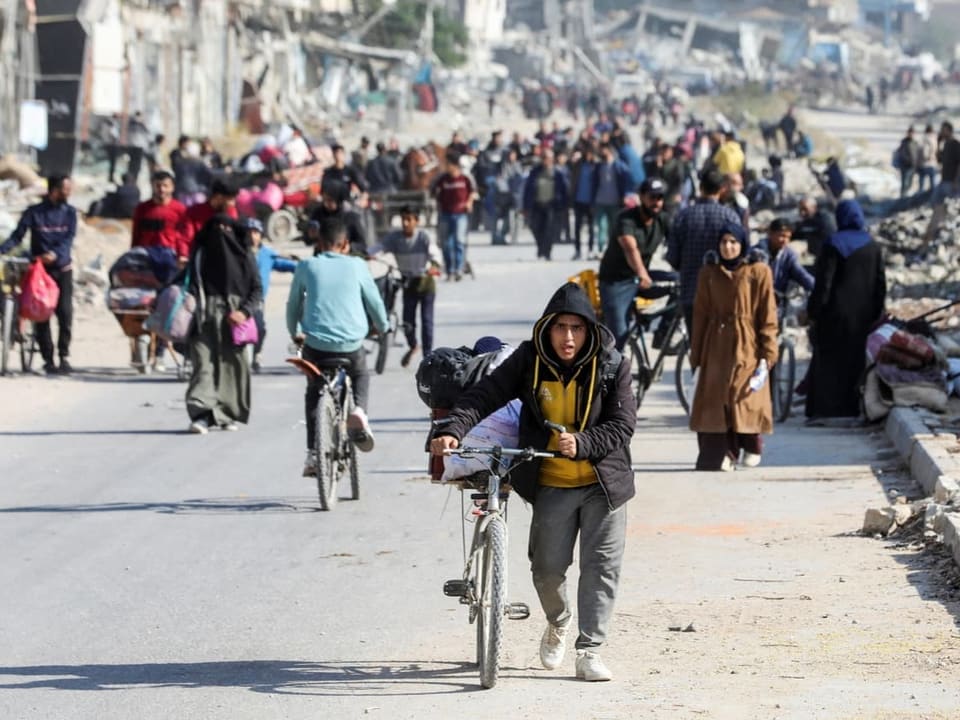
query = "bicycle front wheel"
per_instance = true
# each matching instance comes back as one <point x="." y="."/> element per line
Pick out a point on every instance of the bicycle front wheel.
<point x="383" y="347"/>
<point x="328" y="451"/>
<point x="493" y="601"/>
<point x="685" y="377"/>
<point x="782" y="378"/>
<point x="6" y="333"/>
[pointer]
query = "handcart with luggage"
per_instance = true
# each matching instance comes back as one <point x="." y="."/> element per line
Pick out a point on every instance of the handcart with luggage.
<point x="136" y="278"/>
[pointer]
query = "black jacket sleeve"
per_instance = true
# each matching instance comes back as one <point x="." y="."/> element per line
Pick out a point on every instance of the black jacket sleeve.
<point x="490" y="394"/>
<point x="618" y="418"/>
<point x="826" y="269"/>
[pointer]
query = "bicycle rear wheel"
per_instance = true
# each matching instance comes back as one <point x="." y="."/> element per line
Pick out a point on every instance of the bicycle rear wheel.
<point x="685" y="377"/>
<point x="6" y="333"/>
<point x="28" y="345"/>
<point x="782" y="377"/>
<point x="328" y="450"/>
<point x="493" y="601"/>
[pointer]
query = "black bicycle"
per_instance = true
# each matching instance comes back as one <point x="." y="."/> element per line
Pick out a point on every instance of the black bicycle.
<point x="783" y="375"/>
<point x="389" y="286"/>
<point x="336" y="453"/>
<point x="669" y="338"/>
<point x="483" y="587"/>
<point x="14" y="330"/>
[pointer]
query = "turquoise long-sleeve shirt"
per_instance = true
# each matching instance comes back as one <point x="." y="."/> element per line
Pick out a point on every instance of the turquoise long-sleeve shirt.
<point x="330" y="298"/>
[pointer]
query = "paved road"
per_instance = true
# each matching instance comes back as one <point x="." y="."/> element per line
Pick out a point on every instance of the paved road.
<point x="147" y="573"/>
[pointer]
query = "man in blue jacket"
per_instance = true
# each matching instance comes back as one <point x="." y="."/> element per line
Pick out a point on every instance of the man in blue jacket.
<point x="329" y="300"/>
<point x="53" y="226"/>
<point x="613" y="182"/>
<point x="783" y="259"/>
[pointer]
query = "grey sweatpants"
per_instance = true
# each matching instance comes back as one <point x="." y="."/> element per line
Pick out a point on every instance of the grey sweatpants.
<point x="559" y="515"/>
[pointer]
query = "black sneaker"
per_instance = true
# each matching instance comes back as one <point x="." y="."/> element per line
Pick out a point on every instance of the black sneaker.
<point x="408" y="356"/>
<point x="65" y="367"/>
<point x="49" y="368"/>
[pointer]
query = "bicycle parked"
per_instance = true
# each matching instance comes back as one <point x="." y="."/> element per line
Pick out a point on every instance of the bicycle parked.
<point x="483" y="587"/>
<point x="336" y="452"/>
<point x="644" y="372"/>
<point x="14" y="330"/>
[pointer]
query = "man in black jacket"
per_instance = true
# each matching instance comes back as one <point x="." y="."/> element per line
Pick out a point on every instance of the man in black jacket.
<point x="569" y="374"/>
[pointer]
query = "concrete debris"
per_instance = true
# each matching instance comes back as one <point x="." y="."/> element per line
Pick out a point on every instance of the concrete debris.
<point x="947" y="491"/>
<point x="933" y="519"/>
<point x="878" y="521"/>
<point x="886" y="521"/>
<point x="921" y="261"/>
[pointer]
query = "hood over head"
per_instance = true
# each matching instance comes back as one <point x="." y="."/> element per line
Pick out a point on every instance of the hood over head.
<point x="570" y="299"/>
<point x="850" y="216"/>
<point x="852" y="225"/>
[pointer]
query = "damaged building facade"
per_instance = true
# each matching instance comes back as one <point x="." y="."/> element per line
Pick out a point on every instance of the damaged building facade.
<point x="191" y="67"/>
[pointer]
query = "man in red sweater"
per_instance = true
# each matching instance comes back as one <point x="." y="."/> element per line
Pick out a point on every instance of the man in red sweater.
<point x="159" y="221"/>
<point x="222" y="200"/>
<point x="455" y="195"/>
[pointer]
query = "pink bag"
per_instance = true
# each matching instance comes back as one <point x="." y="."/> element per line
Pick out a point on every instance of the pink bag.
<point x="245" y="333"/>
<point x="39" y="293"/>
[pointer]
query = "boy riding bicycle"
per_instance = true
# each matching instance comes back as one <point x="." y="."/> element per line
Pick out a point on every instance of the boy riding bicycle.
<point x="330" y="297"/>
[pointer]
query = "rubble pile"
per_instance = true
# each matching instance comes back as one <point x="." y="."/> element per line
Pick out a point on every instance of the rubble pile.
<point x="98" y="244"/>
<point x="902" y="516"/>
<point x="918" y="266"/>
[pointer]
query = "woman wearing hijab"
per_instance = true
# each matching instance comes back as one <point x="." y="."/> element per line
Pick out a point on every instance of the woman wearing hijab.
<point x="223" y="276"/>
<point x="734" y="329"/>
<point x="847" y="299"/>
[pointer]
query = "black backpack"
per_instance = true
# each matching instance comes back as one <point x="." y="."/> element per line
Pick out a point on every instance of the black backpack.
<point x="446" y="373"/>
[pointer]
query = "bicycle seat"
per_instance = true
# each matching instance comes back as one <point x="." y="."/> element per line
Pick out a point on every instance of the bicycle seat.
<point x="333" y="363"/>
<point x="655" y="293"/>
<point x="312" y="370"/>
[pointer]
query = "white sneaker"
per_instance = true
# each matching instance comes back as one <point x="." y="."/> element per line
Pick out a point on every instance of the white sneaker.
<point x="310" y="463"/>
<point x="230" y="426"/>
<point x="553" y="645"/>
<point x="591" y="668"/>
<point x="199" y="427"/>
<point x="159" y="367"/>
<point x="750" y="459"/>
<point x="727" y="465"/>
<point x="358" y="428"/>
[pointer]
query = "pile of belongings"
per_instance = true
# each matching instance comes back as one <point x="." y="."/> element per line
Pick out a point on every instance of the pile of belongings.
<point x="906" y="366"/>
<point x="136" y="277"/>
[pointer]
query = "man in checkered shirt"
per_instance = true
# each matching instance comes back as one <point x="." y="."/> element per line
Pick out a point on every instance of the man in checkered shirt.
<point x="696" y="229"/>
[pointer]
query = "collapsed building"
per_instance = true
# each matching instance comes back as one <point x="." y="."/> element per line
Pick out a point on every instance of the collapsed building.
<point x="191" y="67"/>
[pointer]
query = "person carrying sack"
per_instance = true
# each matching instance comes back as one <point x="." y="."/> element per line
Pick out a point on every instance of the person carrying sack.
<point x="53" y="227"/>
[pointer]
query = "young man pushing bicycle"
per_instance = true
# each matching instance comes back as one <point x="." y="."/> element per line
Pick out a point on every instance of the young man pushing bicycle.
<point x="568" y="374"/>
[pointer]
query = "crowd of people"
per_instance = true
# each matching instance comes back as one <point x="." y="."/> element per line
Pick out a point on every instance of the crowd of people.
<point x="677" y="201"/>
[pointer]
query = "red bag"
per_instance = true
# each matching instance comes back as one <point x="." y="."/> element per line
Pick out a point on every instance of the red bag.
<point x="39" y="293"/>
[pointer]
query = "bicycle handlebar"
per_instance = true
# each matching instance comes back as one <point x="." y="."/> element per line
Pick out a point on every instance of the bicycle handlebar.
<point x="496" y="451"/>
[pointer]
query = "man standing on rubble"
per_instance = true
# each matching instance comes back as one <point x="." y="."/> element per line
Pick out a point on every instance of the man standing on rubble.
<point x="949" y="157"/>
<point x="907" y="161"/>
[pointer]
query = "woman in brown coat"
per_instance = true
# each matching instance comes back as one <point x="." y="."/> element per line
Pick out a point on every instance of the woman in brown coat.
<point x="734" y="328"/>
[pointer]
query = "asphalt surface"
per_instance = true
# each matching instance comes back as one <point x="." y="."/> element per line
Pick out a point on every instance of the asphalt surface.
<point x="148" y="573"/>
